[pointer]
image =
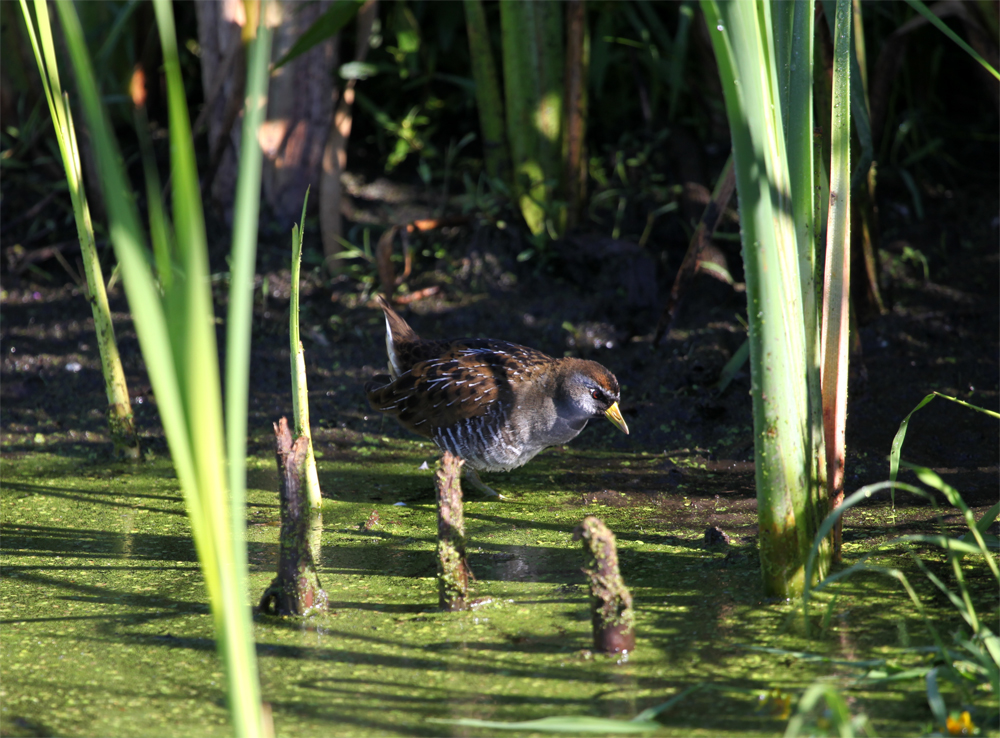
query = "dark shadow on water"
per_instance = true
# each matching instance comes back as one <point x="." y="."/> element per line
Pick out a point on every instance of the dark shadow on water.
<point x="45" y="541"/>
<point x="156" y="607"/>
<point x="111" y="498"/>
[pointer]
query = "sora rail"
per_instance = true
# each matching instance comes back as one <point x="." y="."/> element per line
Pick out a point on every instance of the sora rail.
<point x="492" y="403"/>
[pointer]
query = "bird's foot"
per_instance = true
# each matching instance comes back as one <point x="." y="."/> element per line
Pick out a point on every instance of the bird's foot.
<point x="472" y="477"/>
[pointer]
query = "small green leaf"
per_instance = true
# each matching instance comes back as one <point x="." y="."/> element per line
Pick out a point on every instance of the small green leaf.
<point x="326" y="26"/>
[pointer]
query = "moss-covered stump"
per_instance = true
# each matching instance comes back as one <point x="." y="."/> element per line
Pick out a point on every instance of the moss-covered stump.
<point x="453" y="569"/>
<point x="296" y="589"/>
<point x="121" y="423"/>
<point x="610" y="601"/>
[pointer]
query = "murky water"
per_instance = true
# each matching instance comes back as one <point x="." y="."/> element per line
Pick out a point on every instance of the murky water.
<point x="105" y="629"/>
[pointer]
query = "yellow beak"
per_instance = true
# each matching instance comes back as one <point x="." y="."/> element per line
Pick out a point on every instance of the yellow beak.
<point x="615" y="416"/>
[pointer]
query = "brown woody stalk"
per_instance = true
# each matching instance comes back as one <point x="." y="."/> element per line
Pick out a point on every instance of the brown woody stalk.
<point x="612" y="618"/>
<point x="453" y="569"/>
<point x="296" y="589"/>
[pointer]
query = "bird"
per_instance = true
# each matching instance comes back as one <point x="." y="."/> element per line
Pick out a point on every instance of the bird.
<point x="494" y="404"/>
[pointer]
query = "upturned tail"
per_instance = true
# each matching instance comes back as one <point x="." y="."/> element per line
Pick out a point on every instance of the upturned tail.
<point x="397" y="331"/>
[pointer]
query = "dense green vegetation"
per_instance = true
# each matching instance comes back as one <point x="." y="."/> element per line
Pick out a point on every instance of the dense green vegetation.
<point x="114" y="602"/>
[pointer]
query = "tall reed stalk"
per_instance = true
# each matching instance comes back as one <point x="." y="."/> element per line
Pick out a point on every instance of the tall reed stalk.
<point x="175" y="322"/>
<point x="488" y="98"/>
<point x="765" y="54"/>
<point x="533" y="66"/>
<point x="120" y="419"/>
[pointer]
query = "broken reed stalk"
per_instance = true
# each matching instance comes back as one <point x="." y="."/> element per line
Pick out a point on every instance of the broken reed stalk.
<point x="296" y="589"/>
<point x="453" y="569"/>
<point x="612" y="618"/>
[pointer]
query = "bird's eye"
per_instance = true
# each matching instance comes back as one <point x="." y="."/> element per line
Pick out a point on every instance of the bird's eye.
<point x="596" y="394"/>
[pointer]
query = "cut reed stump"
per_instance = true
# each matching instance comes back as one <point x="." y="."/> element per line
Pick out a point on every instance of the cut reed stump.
<point x="611" y="613"/>
<point x="453" y="569"/>
<point x="296" y="589"/>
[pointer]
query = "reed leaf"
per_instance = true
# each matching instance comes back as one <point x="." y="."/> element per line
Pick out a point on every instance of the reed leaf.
<point x="837" y="284"/>
<point x="300" y="386"/>
<point x="789" y="503"/>
<point x="120" y="419"/>
<point x="941" y="26"/>
<point x="177" y="336"/>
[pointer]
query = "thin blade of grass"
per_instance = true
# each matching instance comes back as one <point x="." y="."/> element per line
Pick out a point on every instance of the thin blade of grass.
<point x="931" y="479"/>
<point x="934" y="699"/>
<point x="685" y="16"/>
<point x="192" y="327"/>
<point x="651" y="712"/>
<point x="126" y="237"/>
<point x="969" y="405"/>
<point x="243" y="680"/>
<point x="897" y="445"/>
<point x="732" y="366"/>
<point x="326" y="26"/>
<point x="941" y="26"/>
<point x="962" y="604"/>
<point x="837" y="712"/>
<point x="824" y="530"/>
<point x="949" y="544"/>
<point x="159" y="227"/>
<point x="987" y="520"/>
<point x="569" y="724"/>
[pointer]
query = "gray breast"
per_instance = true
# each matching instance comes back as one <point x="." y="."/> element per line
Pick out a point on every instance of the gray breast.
<point x="492" y="443"/>
<point x="487" y="442"/>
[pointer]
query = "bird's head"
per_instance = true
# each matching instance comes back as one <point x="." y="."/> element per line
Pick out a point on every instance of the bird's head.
<point x="591" y="391"/>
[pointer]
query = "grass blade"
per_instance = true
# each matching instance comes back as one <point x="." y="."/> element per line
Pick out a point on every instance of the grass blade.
<point x="177" y="336"/>
<point x="326" y="26"/>
<point x="941" y="26"/>
<point x="569" y="724"/>
<point x="244" y="683"/>
<point x="897" y="445"/>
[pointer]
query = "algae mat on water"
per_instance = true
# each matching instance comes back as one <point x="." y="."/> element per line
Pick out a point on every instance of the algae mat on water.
<point x="106" y="630"/>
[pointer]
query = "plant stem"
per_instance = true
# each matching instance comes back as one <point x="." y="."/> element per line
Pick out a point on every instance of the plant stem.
<point x="488" y="99"/>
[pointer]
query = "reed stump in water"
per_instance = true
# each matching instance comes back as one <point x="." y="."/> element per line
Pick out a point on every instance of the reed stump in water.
<point x="296" y="589"/>
<point x="453" y="569"/>
<point x="612" y="619"/>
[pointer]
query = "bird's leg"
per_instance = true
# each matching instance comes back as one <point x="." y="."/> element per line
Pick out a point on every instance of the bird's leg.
<point x="472" y="477"/>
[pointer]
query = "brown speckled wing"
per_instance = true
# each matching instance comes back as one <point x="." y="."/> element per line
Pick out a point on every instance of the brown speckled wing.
<point x="449" y="382"/>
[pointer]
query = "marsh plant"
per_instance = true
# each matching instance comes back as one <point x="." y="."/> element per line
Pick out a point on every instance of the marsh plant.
<point x="174" y="318"/>
<point x="970" y="659"/>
